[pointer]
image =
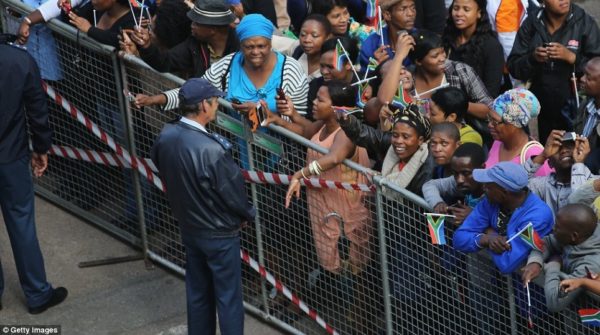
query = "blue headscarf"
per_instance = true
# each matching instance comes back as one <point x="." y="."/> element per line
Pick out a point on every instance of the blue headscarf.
<point x="254" y="25"/>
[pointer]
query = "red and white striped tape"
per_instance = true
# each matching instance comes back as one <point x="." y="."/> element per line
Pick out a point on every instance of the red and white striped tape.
<point x="141" y="165"/>
<point x="91" y="156"/>
<point x="286" y="292"/>
<point x="282" y="179"/>
<point x="259" y="177"/>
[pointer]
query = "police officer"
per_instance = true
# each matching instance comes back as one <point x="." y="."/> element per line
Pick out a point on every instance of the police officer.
<point x="22" y="103"/>
<point x="206" y="192"/>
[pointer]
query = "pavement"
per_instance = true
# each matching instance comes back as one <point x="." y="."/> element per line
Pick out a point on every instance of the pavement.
<point x="592" y="7"/>
<point x="123" y="299"/>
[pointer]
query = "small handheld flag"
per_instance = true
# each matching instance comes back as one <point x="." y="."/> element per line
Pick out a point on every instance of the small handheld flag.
<point x="436" y="227"/>
<point x="402" y="98"/>
<point x="361" y="97"/>
<point x="531" y="237"/>
<point x="346" y="110"/>
<point x="339" y="56"/>
<point x="590" y="317"/>
<point x="372" y="6"/>
<point x="373" y="64"/>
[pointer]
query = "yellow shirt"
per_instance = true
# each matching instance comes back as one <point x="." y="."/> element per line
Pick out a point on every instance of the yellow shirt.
<point x="470" y="135"/>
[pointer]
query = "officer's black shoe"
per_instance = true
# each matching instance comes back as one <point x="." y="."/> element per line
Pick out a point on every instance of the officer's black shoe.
<point x="59" y="295"/>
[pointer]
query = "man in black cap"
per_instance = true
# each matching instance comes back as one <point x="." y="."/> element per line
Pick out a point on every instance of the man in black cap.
<point x="24" y="108"/>
<point x="212" y="38"/>
<point x="206" y="192"/>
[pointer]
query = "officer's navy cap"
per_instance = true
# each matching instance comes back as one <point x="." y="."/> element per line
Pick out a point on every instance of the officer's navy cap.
<point x="195" y="90"/>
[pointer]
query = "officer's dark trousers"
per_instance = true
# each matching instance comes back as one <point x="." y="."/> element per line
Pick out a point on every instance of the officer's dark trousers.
<point x="16" y="200"/>
<point x="213" y="285"/>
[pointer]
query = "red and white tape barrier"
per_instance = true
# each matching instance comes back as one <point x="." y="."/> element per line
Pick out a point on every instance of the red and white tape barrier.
<point x="282" y="179"/>
<point x="259" y="177"/>
<point x="286" y="292"/>
<point x="141" y="165"/>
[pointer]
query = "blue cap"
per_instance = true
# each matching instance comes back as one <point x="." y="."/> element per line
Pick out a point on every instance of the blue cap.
<point x="508" y="175"/>
<point x="195" y="90"/>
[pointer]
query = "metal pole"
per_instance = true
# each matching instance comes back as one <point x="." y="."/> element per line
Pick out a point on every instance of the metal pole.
<point x="387" y="303"/>
<point x="119" y="69"/>
<point x="257" y="225"/>
<point x="511" y="305"/>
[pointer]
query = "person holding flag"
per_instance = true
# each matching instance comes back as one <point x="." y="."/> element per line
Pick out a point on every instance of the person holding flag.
<point x="399" y="17"/>
<point x="508" y="207"/>
<point x="571" y="251"/>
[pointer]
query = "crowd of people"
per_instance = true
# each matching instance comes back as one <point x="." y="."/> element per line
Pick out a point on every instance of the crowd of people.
<point x="487" y="109"/>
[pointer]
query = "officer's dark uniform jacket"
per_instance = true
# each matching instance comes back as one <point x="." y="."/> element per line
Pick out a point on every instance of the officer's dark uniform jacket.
<point x="205" y="186"/>
<point x="21" y="74"/>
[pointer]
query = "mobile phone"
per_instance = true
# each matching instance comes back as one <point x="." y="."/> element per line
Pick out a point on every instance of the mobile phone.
<point x="588" y="273"/>
<point x="66" y="8"/>
<point x="546" y="44"/>
<point x="235" y="101"/>
<point x="569" y="136"/>
<point x="561" y="292"/>
<point x="260" y="113"/>
<point x="128" y="95"/>
<point x="280" y="94"/>
<point x="254" y="116"/>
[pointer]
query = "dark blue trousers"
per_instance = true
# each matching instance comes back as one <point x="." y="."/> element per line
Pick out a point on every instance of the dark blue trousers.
<point x="16" y="201"/>
<point x="213" y="285"/>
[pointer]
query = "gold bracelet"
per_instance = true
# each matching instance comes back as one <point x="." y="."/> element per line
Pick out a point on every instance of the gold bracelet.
<point x="302" y="172"/>
<point x="319" y="166"/>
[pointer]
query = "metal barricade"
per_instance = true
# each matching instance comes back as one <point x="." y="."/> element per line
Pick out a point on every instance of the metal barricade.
<point x="339" y="260"/>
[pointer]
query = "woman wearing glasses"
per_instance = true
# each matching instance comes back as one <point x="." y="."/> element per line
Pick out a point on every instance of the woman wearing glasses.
<point x="507" y="122"/>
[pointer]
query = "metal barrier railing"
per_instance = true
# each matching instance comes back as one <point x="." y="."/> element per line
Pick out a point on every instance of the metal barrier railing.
<point x="364" y="267"/>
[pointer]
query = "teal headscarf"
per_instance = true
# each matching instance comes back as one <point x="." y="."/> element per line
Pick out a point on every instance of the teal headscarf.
<point x="254" y="25"/>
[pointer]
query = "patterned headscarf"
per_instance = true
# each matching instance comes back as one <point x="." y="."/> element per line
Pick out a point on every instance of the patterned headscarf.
<point x="414" y="118"/>
<point x="517" y="107"/>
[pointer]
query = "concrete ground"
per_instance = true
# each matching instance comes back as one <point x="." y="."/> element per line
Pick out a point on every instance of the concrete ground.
<point x="592" y="7"/>
<point x="123" y="299"/>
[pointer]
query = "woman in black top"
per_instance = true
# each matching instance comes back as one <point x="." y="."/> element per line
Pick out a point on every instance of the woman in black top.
<point x="469" y="38"/>
<point x="111" y="16"/>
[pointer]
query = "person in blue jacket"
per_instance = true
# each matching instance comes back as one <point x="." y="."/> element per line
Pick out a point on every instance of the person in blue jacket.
<point x="508" y="207"/>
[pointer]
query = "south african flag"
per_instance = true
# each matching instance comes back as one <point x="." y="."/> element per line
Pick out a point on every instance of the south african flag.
<point x="532" y="238"/>
<point x="436" y="228"/>
<point x="590" y="317"/>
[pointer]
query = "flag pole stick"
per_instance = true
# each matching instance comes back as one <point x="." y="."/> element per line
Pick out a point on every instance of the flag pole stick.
<point x="432" y="90"/>
<point x="132" y="13"/>
<point x="437" y="214"/>
<point x="380" y="24"/>
<point x="520" y="232"/>
<point x="574" y="79"/>
<point x="363" y="81"/>
<point x="348" y="58"/>
<point x="142" y="13"/>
